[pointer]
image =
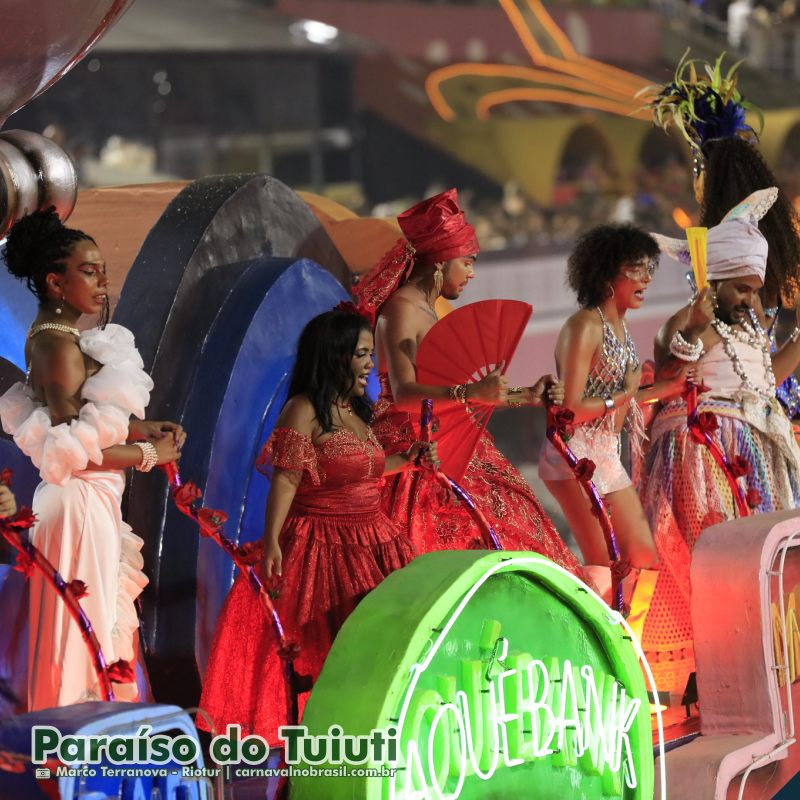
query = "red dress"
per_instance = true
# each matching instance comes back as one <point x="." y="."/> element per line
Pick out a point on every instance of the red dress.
<point x="337" y="545"/>
<point x="435" y="521"/>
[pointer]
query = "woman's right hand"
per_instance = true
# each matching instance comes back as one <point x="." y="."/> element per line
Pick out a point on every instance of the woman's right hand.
<point x="271" y="560"/>
<point x="167" y="449"/>
<point x="491" y="390"/>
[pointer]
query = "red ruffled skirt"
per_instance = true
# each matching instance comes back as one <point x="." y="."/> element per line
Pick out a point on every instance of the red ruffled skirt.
<point x="329" y="563"/>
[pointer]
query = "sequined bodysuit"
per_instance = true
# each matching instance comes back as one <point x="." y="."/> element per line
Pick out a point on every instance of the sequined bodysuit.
<point x="597" y="439"/>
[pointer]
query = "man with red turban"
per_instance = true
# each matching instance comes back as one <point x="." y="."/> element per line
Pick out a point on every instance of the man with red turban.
<point x="436" y="259"/>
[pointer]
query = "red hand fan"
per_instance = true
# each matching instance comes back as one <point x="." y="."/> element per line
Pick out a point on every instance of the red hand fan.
<point x="463" y="347"/>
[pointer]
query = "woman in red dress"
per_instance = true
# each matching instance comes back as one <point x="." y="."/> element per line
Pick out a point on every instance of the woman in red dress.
<point x="435" y="259"/>
<point x="325" y="537"/>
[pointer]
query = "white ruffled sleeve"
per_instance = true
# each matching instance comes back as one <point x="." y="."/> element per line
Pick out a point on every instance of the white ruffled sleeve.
<point x="120" y="388"/>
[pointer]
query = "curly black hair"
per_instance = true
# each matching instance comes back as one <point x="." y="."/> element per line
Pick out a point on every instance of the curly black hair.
<point x="733" y="170"/>
<point x="322" y="370"/>
<point x="37" y="245"/>
<point x="596" y="258"/>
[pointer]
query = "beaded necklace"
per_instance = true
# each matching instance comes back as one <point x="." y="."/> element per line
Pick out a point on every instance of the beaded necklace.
<point x="750" y="336"/>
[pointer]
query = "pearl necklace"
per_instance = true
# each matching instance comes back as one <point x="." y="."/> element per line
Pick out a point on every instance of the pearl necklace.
<point x="53" y="326"/>
<point x="747" y="335"/>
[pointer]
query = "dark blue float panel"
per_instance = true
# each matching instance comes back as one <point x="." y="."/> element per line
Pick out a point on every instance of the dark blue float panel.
<point x="188" y="268"/>
<point x="244" y="388"/>
<point x="18" y="309"/>
<point x="26" y="476"/>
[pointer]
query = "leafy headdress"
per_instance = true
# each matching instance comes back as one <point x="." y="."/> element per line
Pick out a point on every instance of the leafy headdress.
<point x="703" y="103"/>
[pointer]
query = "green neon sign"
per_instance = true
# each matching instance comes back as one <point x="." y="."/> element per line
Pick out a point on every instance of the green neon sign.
<point x="503" y="677"/>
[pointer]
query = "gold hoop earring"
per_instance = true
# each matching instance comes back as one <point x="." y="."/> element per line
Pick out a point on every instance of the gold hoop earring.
<point x="438" y="280"/>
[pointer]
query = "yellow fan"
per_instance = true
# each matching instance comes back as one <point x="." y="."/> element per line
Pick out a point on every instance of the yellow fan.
<point x="697" y="239"/>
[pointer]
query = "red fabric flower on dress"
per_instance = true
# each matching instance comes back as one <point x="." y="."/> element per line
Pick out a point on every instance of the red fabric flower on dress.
<point x="753" y="498"/>
<point x="186" y="495"/>
<point x="121" y="672"/>
<point x="739" y="466"/>
<point x="78" y="588"/>
<point x="584" y="469"/>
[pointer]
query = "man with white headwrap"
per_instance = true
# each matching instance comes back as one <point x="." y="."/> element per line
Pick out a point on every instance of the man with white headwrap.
<point x="684" y="490"/>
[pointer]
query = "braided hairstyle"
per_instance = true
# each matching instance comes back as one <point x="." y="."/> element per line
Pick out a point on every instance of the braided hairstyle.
<point x="37" y="245"/>
<point x="735" y="169"/>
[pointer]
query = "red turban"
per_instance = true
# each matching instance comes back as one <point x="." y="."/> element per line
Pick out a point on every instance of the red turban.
<point x="436" y="230"/>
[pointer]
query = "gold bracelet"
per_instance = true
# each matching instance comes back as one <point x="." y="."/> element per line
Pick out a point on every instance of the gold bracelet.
<point x="514" y="390"/>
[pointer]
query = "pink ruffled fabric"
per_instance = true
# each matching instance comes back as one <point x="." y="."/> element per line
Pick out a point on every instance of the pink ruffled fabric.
<point x="117" y="391"/>
<point x="80" y="527"/>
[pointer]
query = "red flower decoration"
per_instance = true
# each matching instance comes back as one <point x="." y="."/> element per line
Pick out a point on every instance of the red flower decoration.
<point x="121" y="672"/>
<point x="620" y="569"/>
<point x="753" y="498"/>
<point x="707" y="422"/>
<point x="250" y="553"/>
<point x="78" y="588"/>
<point x="210" y="519"/>
<point x="703" y="424"/>
<point x="5" y="477"/>
<point x="186" y="495"/>
<point x="584" y="469"/>
<point x="563" y="417"/>
<point x="21" y="521"/>
<point x="24" y="564"/>
<point x="739" y="467"/>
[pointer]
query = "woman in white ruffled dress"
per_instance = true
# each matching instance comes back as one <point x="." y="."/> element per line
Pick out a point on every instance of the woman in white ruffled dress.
<point x="72" y="417"/>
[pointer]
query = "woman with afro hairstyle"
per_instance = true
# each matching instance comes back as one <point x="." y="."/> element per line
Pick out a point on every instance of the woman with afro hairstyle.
<point x="72" y="417"/>
<point x="609" y="270"/>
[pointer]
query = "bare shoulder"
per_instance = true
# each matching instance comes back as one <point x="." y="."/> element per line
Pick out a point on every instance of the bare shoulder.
<point x="299" y="414"/>
<point x="584" y="326"/>
<point x="585" y="319"/>
<point x="54" y="355"/>
<point x="400" y="304"/>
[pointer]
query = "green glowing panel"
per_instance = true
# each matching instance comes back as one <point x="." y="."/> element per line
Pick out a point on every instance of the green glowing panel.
<point x="503" y="678"/>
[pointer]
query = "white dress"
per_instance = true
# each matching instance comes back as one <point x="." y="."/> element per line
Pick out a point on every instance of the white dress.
<point x="79" y="524"/>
